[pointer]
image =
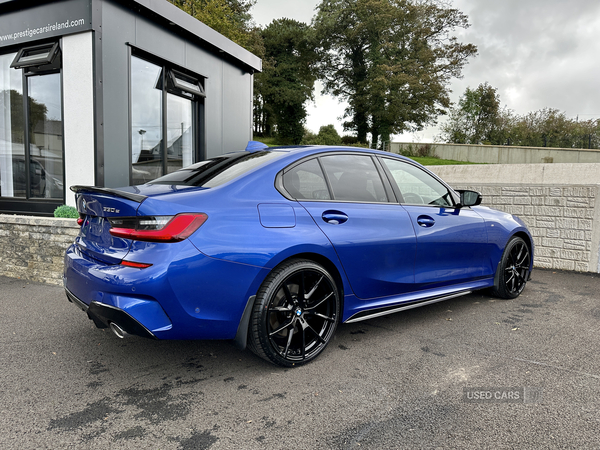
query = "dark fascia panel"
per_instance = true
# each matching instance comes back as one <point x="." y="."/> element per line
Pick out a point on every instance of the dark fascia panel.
<point x="173" y="16"/>
<point x="188" y="23"/>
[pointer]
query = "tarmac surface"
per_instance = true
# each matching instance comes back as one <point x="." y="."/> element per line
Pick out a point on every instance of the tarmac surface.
<point x="472" y="372"/>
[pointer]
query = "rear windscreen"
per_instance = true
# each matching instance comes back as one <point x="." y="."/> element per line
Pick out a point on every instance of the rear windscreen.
<point x="216" y="171"/>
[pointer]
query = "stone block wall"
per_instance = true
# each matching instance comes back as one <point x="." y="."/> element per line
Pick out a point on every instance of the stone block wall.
<point x="33" y="248"/>
<point x="564" y="220"/>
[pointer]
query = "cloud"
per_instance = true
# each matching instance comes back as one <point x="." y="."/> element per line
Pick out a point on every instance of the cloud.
<point x="537" y="53"/>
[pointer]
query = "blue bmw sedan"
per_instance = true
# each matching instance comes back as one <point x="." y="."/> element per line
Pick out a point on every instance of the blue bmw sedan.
<point x="274" y="247"/>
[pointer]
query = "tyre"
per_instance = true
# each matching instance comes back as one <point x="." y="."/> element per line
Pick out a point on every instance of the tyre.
<point x="295" y="314"/>
<point x="513" y="269"/>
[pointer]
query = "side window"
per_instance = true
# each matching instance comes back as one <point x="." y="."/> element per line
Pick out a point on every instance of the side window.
<point x="417" y="186"/>
<point x="306" y="182"/>
<point x="354" y="178"/>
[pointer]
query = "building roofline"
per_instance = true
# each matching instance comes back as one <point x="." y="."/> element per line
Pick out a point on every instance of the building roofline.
<point x="186" y="22"/>
<point x="172" y="16"/>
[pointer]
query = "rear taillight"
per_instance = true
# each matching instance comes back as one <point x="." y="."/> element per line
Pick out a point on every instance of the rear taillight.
<point x="157" y="228"/>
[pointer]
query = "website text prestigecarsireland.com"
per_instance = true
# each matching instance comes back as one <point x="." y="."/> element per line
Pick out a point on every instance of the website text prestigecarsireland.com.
<point x="30" y="32"/>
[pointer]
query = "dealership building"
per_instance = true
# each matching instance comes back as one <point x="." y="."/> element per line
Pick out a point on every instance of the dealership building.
<point x="112" y="93"/>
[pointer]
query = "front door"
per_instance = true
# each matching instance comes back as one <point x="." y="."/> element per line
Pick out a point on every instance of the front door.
<point x="452" y="244"/>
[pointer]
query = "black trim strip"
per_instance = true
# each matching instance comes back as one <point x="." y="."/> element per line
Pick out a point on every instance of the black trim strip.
<point x="107" y="314"/>
<point x="76" y="301"/>
<point x="139" y="198"/>
<point x="372" y="313"/>
<point x="103" y="315"/>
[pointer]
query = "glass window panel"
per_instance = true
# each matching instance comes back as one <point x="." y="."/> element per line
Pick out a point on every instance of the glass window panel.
<point x="417" y="186"/>
<point x="12" y="130"/>
<point x="240" y="167"/>
<point x="45" y="136"/>
<point x="186" y="83"/>
<point x="306" y="181"/>
<point x="35" y="56"/>
<point x="180" y="133"/>
<point x="146" y="121"/>
<point x="354" y="178"/>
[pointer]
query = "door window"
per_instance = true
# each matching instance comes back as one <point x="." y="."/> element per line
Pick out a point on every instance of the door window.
<point x="306" y="182"/>
<point x="354" y="178"/>
<point x="416" y="186"/>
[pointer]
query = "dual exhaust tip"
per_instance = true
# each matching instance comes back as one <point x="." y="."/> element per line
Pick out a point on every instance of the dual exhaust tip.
<point x="117" y="330"/>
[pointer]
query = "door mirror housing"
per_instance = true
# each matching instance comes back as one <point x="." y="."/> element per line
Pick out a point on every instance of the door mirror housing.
<point x="469" y="198"/>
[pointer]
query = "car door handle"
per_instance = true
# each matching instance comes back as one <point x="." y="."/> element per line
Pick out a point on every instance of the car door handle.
<point x="425" y="221"/>
<point x="334" y="217"/>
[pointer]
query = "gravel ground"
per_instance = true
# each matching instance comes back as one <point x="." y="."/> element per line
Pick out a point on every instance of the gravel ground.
<point x="400" y="381"/>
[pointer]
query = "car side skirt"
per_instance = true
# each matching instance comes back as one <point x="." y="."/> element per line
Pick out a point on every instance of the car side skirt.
<point x="371" y="314"/>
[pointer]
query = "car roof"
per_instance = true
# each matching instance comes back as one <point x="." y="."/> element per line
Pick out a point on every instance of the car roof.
<point x="306" y="150"/>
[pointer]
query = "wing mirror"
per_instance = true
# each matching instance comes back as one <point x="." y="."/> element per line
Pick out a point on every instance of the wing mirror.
<point x="469" y="198"/>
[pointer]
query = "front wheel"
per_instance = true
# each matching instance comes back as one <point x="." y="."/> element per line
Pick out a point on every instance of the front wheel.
<point x="513" y="269"/>
<point x="295" y="314"/>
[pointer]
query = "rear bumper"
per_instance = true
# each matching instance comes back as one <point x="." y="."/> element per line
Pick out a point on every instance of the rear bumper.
<point x="104" y="315"/>
<point x="183" y="295"/>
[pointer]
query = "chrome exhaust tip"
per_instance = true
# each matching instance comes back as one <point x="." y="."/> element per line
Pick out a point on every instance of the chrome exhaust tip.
<point x="117" y="330"/>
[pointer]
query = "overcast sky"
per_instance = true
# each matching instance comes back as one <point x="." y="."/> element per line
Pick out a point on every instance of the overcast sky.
<point x="537" y="53"/>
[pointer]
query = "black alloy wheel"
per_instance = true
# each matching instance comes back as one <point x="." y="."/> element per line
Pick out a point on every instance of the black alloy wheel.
<point x="295" y="314"/>
<point x="514" y="269"/>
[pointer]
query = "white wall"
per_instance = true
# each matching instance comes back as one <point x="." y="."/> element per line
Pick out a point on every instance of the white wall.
<point x="78" y="98"/>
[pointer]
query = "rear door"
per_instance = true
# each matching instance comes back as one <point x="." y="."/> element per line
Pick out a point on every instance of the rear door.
<point x="373" y="237"/>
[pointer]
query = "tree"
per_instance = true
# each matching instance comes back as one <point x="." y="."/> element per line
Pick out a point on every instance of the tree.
<point x="231" y="18"/>
<point x="477" y="118"/>
<point x="328" y="135"/>
<point x="392" y="60"/>
<point x="547" y="127"/>
<point x="287" y="80"/>
<point x="37" y="113"/>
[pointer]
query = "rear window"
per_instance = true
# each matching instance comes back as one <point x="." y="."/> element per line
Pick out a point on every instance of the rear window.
<point x="217" y="171"/>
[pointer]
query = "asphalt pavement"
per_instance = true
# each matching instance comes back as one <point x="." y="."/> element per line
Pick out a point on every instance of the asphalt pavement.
<point x="472" y="372"/>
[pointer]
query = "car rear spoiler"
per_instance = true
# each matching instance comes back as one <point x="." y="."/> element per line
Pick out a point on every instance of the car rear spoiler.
<point x="139" y="198"/>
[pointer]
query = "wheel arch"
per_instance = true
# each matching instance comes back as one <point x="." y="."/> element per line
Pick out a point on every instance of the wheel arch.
<point x="529" y="241"/>
<point x="526" y="237"/>
<point x="241" y="337"/>
<point x="327" y="265"/>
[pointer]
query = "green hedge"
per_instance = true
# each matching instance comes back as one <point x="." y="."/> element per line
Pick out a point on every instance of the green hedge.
<point x="65" y="211"/>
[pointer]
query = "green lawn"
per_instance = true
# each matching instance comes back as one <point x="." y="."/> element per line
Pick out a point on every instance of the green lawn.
<point x="270" y="141"/>
<point x="426" y="161"/>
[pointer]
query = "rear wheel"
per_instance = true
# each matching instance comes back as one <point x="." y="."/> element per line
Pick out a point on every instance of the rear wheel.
<point x="295" y="314"/>
<point x="513" y="269"/>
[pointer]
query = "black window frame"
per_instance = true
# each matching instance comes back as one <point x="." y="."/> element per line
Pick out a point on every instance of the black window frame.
<point x="167" y="85"/>
<point x="49" y="59"/>
<point x="383" y="176"/>
<point x="53" y="64"/>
